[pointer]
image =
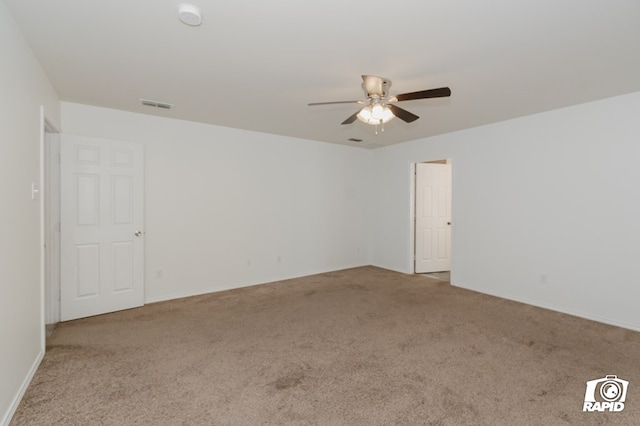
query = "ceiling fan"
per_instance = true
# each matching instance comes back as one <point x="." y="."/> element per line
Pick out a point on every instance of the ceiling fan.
<point x="379" y="107"/>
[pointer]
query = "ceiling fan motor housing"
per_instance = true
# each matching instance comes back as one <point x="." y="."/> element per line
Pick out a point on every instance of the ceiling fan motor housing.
<point x="375" y="87"/>
<point x="379" y="107"/>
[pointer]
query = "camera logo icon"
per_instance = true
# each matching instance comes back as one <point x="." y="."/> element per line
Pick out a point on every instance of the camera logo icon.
<point x="605" y="394"/>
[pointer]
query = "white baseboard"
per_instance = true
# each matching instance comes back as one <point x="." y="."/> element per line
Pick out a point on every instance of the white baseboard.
<point x="6" y="419"/>
<point x="182" y="295"/>
<point x="556" y="308"/>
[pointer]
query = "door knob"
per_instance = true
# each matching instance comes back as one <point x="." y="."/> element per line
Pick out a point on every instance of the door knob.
<point x="448" y="223"/>
<point x="138" y="234"/>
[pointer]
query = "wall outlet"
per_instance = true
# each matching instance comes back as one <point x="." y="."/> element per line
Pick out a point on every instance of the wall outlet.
<point x="279" y="259"/>
<point x="159" y="274"/>
<point x="248" y="262"/>
<point x="544" y="279"/>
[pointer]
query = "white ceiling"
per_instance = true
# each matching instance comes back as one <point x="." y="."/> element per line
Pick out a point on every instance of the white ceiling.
<point x="256" y="64"/>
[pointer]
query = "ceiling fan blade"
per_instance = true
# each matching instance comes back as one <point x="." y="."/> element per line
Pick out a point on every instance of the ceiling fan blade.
<point x="351" y="118"/>
<point x="403" y="114"/>
<point x="334" y="102"/>
<point x="375" y="86"/>
<point x="441" y="92"/>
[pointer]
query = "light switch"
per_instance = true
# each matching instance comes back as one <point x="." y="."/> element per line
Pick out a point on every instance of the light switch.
<point x="35" y="192"/>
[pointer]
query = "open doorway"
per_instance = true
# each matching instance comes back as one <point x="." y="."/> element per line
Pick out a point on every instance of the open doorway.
<point x="432" y="218"/>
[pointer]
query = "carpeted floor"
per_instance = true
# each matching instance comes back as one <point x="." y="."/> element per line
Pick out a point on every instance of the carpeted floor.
<point x="363" y="346"/>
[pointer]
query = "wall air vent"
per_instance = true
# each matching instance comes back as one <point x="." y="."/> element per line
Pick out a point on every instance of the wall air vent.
<point x="155" y="104"/>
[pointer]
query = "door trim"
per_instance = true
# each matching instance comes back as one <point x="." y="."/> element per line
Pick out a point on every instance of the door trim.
<point x="52" y="226"/>
<point x="47" y="251"/>
<point x="412" y="218"/>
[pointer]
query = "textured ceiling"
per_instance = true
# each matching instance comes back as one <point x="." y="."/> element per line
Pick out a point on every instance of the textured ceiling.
<point x="255" y="65"/>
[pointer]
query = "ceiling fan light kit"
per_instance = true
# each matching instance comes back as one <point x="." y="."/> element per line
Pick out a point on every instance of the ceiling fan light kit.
<point x="376" y="114"/>
<point x="380" y="107"/>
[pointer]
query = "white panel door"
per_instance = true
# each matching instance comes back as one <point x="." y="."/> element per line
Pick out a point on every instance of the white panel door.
<point x="102" y="232"/>
<point x="433" y="218"/>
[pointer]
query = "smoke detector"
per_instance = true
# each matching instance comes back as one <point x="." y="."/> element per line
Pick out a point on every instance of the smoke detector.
<point x="189" y="14"/>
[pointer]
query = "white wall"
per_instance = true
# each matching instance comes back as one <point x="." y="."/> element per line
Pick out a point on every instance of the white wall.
<point x="556" y="193"/>
<point x="23" y="88"/>
<point x="217" y="198"/>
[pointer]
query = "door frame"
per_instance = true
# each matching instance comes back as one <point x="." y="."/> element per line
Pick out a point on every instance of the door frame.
<point x="49" y="194"/>
<point x="412" y="212"/>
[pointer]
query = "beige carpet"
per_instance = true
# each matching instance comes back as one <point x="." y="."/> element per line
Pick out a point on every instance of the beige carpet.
<point x="363" y="346"/>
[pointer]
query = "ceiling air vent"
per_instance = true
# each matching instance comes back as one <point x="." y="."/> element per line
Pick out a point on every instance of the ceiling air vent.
<point x="155" y="104"/>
